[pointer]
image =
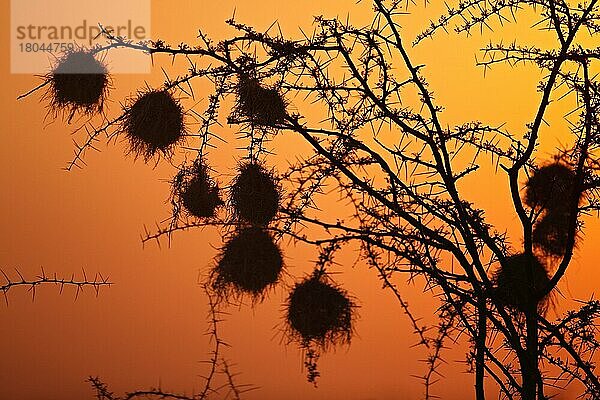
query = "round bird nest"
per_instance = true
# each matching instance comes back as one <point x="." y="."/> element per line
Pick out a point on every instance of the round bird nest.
<point x="258" y="105"/>
<point x="154" y="123"/>
<point x="320" y="312"/>
<point x="519" y="282"/>
<point x="550" y="187"/>
<point x="255" y="194"/>
<point x="196" y="191"/>
<point x="551" y="233"/>
<point x="250" y="263"/>
<point x="79" y="82"/>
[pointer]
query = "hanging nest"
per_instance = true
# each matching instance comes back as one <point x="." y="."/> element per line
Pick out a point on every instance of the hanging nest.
<point x="197" y="192"/>
<point x="154" y="123"/>
<point x="520" y="281"/>
<point x="551" y="233"/>
<point x="255" y="194"/>
<point x="79" y="82"/>
<point x="320" y="312"/>
<point x="258" y="105"/>
<point x="550" y="187"/>
<point x="250" y="263"/>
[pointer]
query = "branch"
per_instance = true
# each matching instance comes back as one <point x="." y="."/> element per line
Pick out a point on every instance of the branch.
<point x="44" y="279"/>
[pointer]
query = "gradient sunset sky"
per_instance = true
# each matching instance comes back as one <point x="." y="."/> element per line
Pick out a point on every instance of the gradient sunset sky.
<point x="148" y="329"/>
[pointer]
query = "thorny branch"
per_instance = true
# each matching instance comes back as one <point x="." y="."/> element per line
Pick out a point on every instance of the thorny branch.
<point x="44" y="279"/>
<point x="217" y="365"/>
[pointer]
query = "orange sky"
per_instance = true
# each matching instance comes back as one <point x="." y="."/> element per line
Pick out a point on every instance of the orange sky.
<point x="148" y="329"/>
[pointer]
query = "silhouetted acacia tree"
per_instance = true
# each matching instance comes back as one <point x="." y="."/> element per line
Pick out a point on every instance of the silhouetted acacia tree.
<point x="399" y="166"/>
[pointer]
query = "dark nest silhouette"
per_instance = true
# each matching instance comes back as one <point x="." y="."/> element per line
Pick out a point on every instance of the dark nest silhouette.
<point x="319" y="312"/>
<point x="79" y="82"/>
<point x="520" y="281"/>
<point x="550" y="187"/>
<point x="258" y="105"/>
<point x="551" y="233"/>
<point x="196" y="191"/>
<point x="249" y="264"/>
<point x="154" y="123"/>
<point x="255" y="194"/>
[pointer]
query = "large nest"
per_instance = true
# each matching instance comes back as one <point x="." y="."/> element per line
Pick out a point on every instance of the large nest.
<point x="255" y="194"/>
<point x="154" y="123"/>
<point x="319" y="312"/>
<point x="196" y="191"/>
<point x="78" y="82"/>
<point x="258" y="105"/>
<point x="250" y="263"/>
<point x="550" y="187"/>
<point x="520" y="282"/>
<point x="551" y="233"/>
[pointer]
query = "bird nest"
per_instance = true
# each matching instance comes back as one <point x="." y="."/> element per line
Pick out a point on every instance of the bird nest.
<point x="249" y="264"/>
<point x="551" y="233"/>
<point x="154" y="123"/>
<point x="550" y="187"/>
<point x="196" y="191"/>
<point x="79" y="82"/>
<point x="520" y="281"/>
<point x="319" y="312"/>
<point x="258" y="105"/>
<point x="255" y="194"/>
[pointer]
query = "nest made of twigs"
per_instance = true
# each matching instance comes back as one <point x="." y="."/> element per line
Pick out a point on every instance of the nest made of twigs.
<point x="196" y="191"/>
<point x="255" y="194"/>
<point x="520" y="281"/>
<point x="79" y="82"/>
<point x="550" y="187"/>
<point x="257" y="104"/>
<point x="154" y="123"/>
<point x="319" y="312"/>
<point x="551" y="233"/>
<point x="249" y="264"/>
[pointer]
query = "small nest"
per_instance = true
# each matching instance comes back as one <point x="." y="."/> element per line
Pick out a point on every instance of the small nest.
<point x="255" y="195"/>
<point x="154" y="124"/>
<point x="78" y="83"/>
<point x="520" y="281"/>
<point x="551" y="233"/>
<point x="258" y="105"/>
<point x="250" y="263"/>
<point x="550" y="187"/>
<point x="319" y="312"/>
<point x="197" y="192"/>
